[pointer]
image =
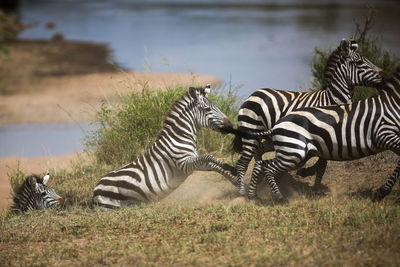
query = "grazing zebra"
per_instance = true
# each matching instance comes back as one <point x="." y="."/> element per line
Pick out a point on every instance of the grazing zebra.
<point x="345" y="68"/>
<point x="344" y="132"/>
<point x="36" y="194"/>
<point x="171" y="159"/>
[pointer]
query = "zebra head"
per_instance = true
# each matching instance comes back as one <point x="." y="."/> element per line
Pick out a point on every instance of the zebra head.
<point x="346" y="67"/>
<point x="360" y="70"/>
<point x="36" y="194"/>
<point x="208" y="115"/>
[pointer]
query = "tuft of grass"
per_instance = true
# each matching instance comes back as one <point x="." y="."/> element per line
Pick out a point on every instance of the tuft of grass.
<point x="129" y="127"/>
<point x="370" y="46"/>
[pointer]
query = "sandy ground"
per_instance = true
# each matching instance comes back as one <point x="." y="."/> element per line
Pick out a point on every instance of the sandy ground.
<point x="78" y="97"/>
<point x="72" y="99"/>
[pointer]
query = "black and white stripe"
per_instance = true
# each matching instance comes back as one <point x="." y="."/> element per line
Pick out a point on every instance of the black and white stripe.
<point x="171" y="159"/>
<point x="35" y="194"/>
<point x="345" y="68"/>
<point x="342" y="132"/>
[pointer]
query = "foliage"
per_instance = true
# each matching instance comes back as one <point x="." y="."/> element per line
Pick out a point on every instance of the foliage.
<point x="129" y="127"/>
<point x="370" y="46"/>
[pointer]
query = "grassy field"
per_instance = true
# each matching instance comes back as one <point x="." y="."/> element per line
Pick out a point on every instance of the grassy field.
<point x="204" y="223"/>
<point x="327" y="231"/>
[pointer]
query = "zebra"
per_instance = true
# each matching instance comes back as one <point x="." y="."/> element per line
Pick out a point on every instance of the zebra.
<point x="345" y="68"/>
<point x="343" y="132"/>
<point x="171" y="159"/>
<point x="34" y="193"/>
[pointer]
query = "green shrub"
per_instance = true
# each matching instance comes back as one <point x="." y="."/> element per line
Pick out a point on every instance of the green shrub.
<point x="370" y="46"/>
<point x="129" y="127"/>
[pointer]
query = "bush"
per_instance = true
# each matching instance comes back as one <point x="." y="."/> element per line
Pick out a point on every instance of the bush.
<point x="128" y="128"/>
<point x="370" y="46"/>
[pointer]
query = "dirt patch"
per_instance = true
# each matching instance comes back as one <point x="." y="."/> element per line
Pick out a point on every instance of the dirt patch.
<point x="358" y="178"/>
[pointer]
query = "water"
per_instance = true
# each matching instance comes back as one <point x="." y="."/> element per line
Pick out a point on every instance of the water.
<point x="256" y="44"/>
<point x="29" y="140"/>
<point x="253" y="44"/>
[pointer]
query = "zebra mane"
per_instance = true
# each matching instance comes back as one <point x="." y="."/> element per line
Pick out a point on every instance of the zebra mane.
<point x="19" y="191"/>
<point x="179" y="100"/>
<point x="20" y="188"/>
<point x="333" y="59"/>
<point x="337" y="56"/>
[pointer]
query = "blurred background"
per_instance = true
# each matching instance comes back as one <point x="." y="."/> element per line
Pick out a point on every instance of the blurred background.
<point x="252" y="43"/>
<point x="249" y="44"/>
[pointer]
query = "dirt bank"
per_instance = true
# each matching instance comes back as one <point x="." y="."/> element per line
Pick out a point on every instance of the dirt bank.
<point x="78" y="97"/>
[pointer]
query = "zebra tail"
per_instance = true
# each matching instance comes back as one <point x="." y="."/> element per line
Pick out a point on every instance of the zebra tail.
<point x="237" y="144"/>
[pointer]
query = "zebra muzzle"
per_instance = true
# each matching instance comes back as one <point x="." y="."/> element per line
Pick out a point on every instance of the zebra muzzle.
<point x="227" y="123"/>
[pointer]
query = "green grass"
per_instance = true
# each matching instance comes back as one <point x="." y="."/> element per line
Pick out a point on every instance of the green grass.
<point x="128" y="127"/>
<point x="308" y="232"/>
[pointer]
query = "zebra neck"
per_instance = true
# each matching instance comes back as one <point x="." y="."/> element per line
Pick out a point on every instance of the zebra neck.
<point x="391" y="89"/>
<point x="180" y="124"/>
<point x="339" y="93"/>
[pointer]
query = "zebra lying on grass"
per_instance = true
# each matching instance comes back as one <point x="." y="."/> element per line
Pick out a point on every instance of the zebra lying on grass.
<point x="34" y="193"/>
<point x="171" y="159"/>
<point x="344" y="132"/>
<point x="345" y="68"/>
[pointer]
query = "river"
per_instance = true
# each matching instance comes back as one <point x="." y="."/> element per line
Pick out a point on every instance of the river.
<point x="251" y="44"/>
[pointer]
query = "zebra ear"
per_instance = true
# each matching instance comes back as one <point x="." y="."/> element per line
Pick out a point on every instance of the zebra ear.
<point x="344" y="46"/>
<point x="46" y="178"/>
<point x="207" y="90"/>
<point x="353" y="45"/>
<point x="194" y="93"/>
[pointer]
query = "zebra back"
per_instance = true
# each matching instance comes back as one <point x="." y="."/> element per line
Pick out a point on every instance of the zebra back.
<point x="34" y="193"/>
<point x="344" y="69"/>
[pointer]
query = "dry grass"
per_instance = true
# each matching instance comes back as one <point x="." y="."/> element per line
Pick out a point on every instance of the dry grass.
<point x="317" y="232"/>
<point x="202" y="223"/>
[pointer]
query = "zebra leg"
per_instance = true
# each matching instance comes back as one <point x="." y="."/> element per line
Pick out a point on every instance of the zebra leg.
<point x="264" y="147"/>
<point x="320" y="166"/>
<point x="224" y="169"/>
<point x="209" y="163"/>
<point x="271" y="169"/>
<point x="255" y="179"/>
<point x="243" y="163"/>
<point x="304" y="172"/>
<point x="385" y="189"/>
